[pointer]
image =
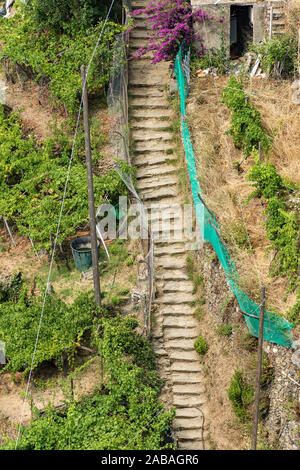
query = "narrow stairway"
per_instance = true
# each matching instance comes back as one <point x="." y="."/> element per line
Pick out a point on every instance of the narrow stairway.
<point x="175" y="328"/>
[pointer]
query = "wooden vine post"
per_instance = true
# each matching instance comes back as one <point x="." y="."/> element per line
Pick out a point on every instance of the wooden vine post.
<point x="259" y="366"/>
<point x="91" y="199"/>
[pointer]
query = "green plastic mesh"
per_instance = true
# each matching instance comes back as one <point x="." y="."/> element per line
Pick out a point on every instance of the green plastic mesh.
<point x="276" y="329"/>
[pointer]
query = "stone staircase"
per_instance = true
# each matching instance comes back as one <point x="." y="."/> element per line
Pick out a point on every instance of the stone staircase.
<point x="174" y="327"/>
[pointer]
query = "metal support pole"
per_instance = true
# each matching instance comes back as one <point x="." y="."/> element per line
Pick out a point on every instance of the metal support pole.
<point x="259" y="364"/>
<point x="96" y="277"/>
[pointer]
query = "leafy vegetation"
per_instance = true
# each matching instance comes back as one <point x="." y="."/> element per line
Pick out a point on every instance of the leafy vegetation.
<point x="241" y="395"/>
<point x="201" y="345"/>
<point x="282" y="225"/>
<point x="246" y="127"/>
<point x="55" y="58"/>
<point x="62" y="329"/>
<point x="32" y="181"/>
<point x="123" y="414"/>
<point x="278" y="56"/>
<point x="57" y="15"/>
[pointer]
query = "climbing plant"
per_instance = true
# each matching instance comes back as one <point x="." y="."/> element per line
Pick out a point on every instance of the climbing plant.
<point x="124" y="413"/>
<point x="171" y="23"/>
<point x="32" y="182"/>
<point x="57" y="58"/>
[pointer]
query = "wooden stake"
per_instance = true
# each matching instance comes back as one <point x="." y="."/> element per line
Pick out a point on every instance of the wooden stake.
<point x="259" y="364"/>
<point x="90" y="188"/>
<point x="271" y="23"/>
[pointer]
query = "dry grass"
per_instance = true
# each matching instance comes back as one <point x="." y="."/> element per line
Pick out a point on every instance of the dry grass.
<point x="226" y="190"/>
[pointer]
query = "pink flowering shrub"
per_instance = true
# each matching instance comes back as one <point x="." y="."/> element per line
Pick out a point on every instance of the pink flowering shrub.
<point x="172" y="23"/>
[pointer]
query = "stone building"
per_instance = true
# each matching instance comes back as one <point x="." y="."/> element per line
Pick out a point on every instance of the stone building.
<point x="244" y="21"/>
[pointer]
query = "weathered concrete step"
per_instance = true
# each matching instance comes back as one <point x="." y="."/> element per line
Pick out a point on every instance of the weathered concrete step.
<point x="188" y="413"/>
<point x="166" y="233"/>
<point x="192" y="389"/>
<point x="173" y="298"/>
<point x="148" y="79"/>
<point x="188" y="423"/>
<point x="156" y="181"/>
<point x="175" y="286"/>
<point x="149" y="102"/>
<point x="144" y="160"/>
<point x="180" y="322"/>
<point x="155" y="170"/>
<point x="186" y="377"/>
<point x="184" y="344"/>
<point x="181" y="366"/>
<point x="150" y="123"/>
<point x="159" y="193"/>
<point x="150" y="134"/>
<point x="191" y="445"/>
<point x="146" y="92"/>
<point x="170" y="249"/>
<point x="187" y="401"/>
<point x="160" y="146"/>
<point x="190" y="434"/>
<point x="181" y="355"/>
<point x="162" y="115"/>
<point x="178" y="333"/>
<point x="171" y="262"/>
<point x="176" y="309"/>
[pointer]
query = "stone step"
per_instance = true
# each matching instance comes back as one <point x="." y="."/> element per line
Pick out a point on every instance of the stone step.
<point x="190" y="434"/>
<point x="191" y="445"/>
<point x="149" y="79"/>
<point x="180" y="322"/>
<point x="144" y="135"/>
<point x="188" y="423"/>
<point x="146" y="92"/>
<point x="158" y="146"/>
<point x="181" y="355"/>
<point x="192" y="389"/>
<point x="149" y="102"/>
<point x="175" y="286"/>
<point x="188" y="413"/>
<point x="173" y="298"/>
<point x="187" y="401"/>
<point x="175" y="310"/>
<point x="155" y="170"/>
<point x="181" y="366"/>
<point x="166" y="233"/>
<point x="170" y="249"/>
<point x="177" y="333"/>
<point x="143" y="159"/>
<point x="150" y="123"/>
<point x="160" y="114"/>
<point x="171" y="262"/>
<point x="156" y="181"/>
<point x="184" y="344"/>
<point x="186" y="377"/>
<point x="159" y="193"/>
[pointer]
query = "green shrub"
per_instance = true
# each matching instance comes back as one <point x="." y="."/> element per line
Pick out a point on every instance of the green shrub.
<point x="278" y="55"/>
<point x="224" y="330"/>
<point x="246" y="127"/>
<point x="200" y="345"/>
<point x="241" y="396"/>
<point x="282" y="226"/>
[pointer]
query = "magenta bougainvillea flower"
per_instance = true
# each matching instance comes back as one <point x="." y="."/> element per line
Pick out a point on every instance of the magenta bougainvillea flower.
<point x="171" y="23"/>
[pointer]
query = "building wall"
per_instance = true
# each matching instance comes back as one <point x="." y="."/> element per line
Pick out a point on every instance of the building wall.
<point x="210" y="30"/>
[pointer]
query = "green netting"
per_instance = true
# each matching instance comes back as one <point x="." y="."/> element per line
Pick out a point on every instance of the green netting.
<point x="276" y="329"/>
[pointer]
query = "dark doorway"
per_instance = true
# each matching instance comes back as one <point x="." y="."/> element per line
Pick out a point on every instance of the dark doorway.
<point x="241" y="29"/>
